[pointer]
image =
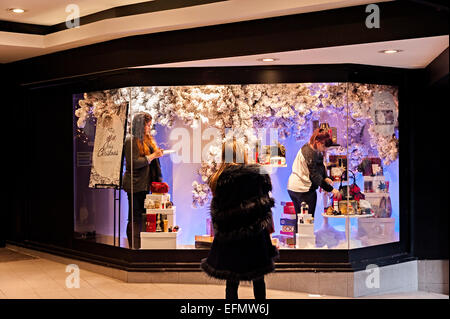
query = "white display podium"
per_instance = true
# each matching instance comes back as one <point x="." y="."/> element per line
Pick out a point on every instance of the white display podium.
<point x="159" y="240"/>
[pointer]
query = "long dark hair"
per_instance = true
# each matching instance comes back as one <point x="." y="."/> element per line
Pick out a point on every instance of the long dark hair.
<point x="140" y="120"/>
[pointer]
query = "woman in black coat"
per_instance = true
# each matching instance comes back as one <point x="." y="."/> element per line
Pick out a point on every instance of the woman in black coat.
<point x="241" y="215"/>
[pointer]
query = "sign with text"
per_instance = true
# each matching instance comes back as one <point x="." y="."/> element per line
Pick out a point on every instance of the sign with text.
<point x="108" y="147"/>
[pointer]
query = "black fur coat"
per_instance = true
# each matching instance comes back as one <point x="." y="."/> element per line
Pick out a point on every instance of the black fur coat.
<point x="241" y="215"/>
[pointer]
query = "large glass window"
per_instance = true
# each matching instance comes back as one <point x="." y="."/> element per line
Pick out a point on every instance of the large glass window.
<point x="119" y="170"/>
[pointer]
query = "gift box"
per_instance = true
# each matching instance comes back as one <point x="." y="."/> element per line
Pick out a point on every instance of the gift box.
<point x="287" y="222"/>
<point x="287" y="230"/>
<point x="150" y="225"/>
<point x="371" y="166"/>
<point x="288" y="207"/>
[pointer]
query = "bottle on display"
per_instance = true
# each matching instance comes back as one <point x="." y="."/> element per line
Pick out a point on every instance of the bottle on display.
<point x="158" y="223"/>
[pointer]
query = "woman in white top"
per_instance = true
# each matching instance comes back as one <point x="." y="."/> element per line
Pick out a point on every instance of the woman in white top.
<point x="309" y="172"/>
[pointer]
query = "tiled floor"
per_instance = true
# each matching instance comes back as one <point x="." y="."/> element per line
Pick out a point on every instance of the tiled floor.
<point x="40" y="278"/>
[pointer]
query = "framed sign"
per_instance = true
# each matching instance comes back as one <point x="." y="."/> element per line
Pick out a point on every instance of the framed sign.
<point x="384" y="113"/>
<point x="106" y="167"/>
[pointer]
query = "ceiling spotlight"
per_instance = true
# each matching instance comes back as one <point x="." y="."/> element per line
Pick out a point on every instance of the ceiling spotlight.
<point x="390" y="51"/>
<point x="16" y="10"/>
<point x="268" y="60"/>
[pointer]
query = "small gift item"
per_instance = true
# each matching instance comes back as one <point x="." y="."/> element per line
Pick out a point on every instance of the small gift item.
<point x="329" y="210"/>
<point x="288" y="207"/>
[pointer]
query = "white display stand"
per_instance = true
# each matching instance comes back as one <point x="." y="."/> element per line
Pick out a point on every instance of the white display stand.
<point x="347" y="221"/>
<point x="305" y="241"/>
<point x="159" y="240"/>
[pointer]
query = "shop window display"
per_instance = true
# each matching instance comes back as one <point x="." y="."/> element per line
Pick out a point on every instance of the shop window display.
<point x="274" y="121"/>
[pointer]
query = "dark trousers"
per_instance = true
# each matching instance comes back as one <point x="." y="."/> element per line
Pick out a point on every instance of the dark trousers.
<point x="309" y="198"/>
<point x="259" y="289"/>
<point x="134" y="225"/>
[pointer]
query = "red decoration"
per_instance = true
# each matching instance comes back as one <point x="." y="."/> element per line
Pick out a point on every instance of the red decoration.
<point x="159" y="188"/>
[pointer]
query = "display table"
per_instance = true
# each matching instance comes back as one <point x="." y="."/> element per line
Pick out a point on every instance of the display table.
<point x="347" y="220"/>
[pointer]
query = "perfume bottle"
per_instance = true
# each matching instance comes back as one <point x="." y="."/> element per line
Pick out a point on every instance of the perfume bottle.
<point x="158" y="223"/>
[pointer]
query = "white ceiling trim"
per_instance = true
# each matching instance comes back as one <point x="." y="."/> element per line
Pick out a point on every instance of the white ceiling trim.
<point x="416" y="53"/>
<point x="183" y="18"/>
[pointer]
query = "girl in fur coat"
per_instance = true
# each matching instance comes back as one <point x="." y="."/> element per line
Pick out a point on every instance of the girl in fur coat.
<point x="242" y="219"/>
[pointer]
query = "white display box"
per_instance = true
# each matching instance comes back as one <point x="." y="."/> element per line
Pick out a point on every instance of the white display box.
<point x="159" y="240"/>
<point x="305" y="229"/>
<point x="305" y="241"/>
<point x="376" y="231"/>
<point x="375" y="180"/>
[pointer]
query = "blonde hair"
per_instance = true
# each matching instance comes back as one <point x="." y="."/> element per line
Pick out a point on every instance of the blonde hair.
<point x="239" y="157"/>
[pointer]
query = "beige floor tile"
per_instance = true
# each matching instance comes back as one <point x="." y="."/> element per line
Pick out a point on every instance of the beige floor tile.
<point x="20" y="293"/>
<point x="58" y="293"/>
<point x="13" y="283"/>
<point x="118" y="291"/>
<point x="86" y="293"/>
<point x="153" y="293"/>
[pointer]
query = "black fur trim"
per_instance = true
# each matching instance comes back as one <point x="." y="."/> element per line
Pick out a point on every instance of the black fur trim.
<point x="229" y="275"/>
<point x="243" y="221"/>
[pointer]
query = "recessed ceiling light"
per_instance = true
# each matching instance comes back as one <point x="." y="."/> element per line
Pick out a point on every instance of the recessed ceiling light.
<point x="16" y="10"/>
<point x="268" y="59"/>
<point x="390" y="51"/>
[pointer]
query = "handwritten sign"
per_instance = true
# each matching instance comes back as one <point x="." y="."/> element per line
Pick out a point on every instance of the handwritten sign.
<point x="108" y="147"/>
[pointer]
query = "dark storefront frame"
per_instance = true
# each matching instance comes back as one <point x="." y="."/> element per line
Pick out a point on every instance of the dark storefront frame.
<point x="42" y="89"/>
